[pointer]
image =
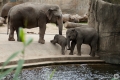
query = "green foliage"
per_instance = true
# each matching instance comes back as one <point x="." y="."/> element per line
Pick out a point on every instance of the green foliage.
<point x="18" y="69"/>
<point x="51" y="75"/>
<point x="26" y="22"/>
<point x="9" y="59"/>
<point x="20" y="61"/>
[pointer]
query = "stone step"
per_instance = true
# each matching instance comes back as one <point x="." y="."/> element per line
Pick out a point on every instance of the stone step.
<point x="36" y="64"/>
<point x="56" y="60"/>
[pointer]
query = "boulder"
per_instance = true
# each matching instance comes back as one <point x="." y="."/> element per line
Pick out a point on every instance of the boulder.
<point x="72" y="25"/>
<point x="105" y="18"/>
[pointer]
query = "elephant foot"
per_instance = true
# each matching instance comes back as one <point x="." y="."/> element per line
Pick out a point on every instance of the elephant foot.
<point x="89" y="53"/>
<point x="68" y="49"/>
<point x="19" y="40"/>
<point x="70" y="53"/>
<point x="11" y="39"/>
<point x="92" y="55"/>
<point x="63" y="53"/>
<point x="41" y="41"/>
<point x="79" y="54"/>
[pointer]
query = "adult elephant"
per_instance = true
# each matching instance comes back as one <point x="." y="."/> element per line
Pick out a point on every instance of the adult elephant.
<point x="7" y="7"/>
<point x="31" y="15"/>
<point x="82" y="35"/>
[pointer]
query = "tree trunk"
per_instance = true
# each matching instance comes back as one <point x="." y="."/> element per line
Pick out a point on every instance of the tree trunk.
<point x="72" y="25"/>
<point x="105" y="18"/>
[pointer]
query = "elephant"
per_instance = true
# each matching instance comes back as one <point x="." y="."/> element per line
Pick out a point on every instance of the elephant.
<point x="79" y="35"/>
<point x="31" y="15"/>
<point x="7" y="7"/>
<point x="61" y="40"/>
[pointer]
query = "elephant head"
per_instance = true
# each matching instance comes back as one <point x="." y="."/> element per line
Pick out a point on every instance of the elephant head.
<point x="71" y="34"/>
<point x="54" y="15"/>
<point x="55" y="40"/>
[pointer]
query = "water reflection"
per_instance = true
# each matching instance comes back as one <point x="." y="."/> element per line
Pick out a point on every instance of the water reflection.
<point x="69" y="72"/>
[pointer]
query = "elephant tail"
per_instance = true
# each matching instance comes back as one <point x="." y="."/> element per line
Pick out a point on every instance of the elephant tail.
<point x="98" y="43"/>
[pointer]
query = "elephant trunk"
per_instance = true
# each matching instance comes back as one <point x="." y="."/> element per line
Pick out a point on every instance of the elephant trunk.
<point x="68" y="43"/>
<point x="60" y="25"/>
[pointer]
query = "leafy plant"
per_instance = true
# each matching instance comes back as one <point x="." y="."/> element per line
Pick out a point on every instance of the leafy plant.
<point x="20" y="61"/>
<point x="51" y="75"/>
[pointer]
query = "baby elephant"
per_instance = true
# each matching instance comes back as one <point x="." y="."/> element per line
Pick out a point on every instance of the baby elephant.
<point x="61" y="40"/>
<point x="82" y="35"/>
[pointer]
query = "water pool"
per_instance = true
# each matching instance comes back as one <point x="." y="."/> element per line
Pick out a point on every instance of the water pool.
<point x="70" y="72"/>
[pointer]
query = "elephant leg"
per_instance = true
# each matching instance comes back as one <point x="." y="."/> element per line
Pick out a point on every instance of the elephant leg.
<point x="11" y="35"/>
<point x="79" y="47"/>
<point x="93" y="46"/>
<point x="63" y="50"/>
<point x="93" y="49"/>
<point x="53" y="41"/>
<point x="41" y="34"/>
<point x="73" y="43"/>
<point x="17" y="32"/>
<point x="90" y="49"/>
<point x="5" y="20"/>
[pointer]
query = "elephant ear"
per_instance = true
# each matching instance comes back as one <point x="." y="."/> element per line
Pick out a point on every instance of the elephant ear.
<point x="49" y="13"/>
<point x="75" y="31"/>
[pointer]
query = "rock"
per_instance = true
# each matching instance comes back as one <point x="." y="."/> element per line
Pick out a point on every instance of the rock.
<point x="105" y="18"/>
<point x="72" y="25"/>
<point x="84" y="18"/>
<point x="74" y="18"/>
<point x="68" y="6"/>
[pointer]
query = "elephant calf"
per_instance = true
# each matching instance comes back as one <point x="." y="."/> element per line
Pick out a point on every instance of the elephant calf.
<point x="83" y="34"/>
<point x="61" y="40"/>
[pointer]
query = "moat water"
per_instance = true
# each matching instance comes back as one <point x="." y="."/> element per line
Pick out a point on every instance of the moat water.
<point x="70" y="72"/>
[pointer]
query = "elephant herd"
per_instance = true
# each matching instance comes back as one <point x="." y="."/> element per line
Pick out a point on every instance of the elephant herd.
<point x="31" y="15"/>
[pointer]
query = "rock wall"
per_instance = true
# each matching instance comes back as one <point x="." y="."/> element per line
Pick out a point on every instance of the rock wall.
<point x="105" y="18"/>
<point x="68" y="6"/>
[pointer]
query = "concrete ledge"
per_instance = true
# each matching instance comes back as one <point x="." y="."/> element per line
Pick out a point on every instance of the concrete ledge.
<point x="56" y="60"/>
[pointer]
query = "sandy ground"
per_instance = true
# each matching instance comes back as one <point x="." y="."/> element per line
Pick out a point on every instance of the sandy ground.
<point x="35" y="49"/>
<point x="51" y="29"/>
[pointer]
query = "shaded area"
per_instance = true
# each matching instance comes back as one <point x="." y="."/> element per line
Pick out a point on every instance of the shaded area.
<point x="113" y="1"/>
<point x="69" y="72"/>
